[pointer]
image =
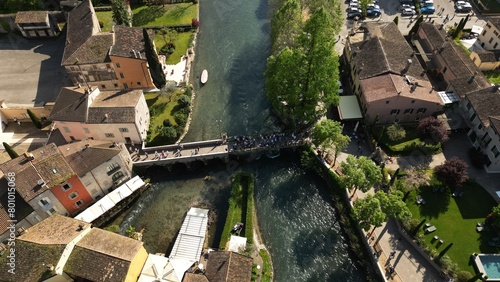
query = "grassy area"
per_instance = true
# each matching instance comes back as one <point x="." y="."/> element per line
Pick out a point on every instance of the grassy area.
<point x="267" y="275"/>
<point x="106" y="18"/>
<point x="240" y="208"/>
<point x="407" y="145"/>
<point x="492" y="76"/>
<point x="181" y="44"/>
<point x="169" y="15"/>
<point x="455" y="220"/>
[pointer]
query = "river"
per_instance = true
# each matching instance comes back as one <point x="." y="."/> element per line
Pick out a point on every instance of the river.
<point x="294" y="209"/>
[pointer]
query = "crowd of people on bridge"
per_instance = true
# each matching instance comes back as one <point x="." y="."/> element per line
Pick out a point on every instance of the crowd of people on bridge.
<point x="268" y="141"/>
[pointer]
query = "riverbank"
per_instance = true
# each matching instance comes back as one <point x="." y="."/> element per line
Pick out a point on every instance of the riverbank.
<point x="265" y="274"/>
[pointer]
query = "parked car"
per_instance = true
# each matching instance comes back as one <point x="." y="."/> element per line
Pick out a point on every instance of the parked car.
<point x="354" y="15"/>
<point x="354" y="2"/>
<point x="408" y="12"/>
<point x="460" y="3"/>
<point x="429" y="10"/>
<point x="372" y="6"/>
<point x="406" y="6"/>
<point x="353" y="10"/>
<point x="373" y="13"/>
<point x="464" y="9"/>
<point x="426" y="3"/>
<point x="341" y="89"/>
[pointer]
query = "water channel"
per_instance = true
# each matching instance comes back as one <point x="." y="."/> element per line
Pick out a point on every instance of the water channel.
<point x="294" y="210"/>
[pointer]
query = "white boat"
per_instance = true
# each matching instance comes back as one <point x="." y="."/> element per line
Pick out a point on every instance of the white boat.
<point x="204" y="76"/>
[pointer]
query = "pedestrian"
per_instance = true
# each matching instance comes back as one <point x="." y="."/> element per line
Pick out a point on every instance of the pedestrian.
<point x="131" y="149"/>
<point x="146" y="154"/>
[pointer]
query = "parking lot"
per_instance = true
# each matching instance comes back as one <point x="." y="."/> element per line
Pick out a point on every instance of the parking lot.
<point x="30" y="70"/>
<point x="390" y="9"/>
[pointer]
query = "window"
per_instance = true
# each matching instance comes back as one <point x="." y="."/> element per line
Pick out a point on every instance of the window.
<point x="116" y="85"/>
<point x="117" y="175"/>
<point x="495" y="151"/>
<point x="495" y="46"/>
<point x="139" y="83"/>
<point x="484" y="32"/>
<point x="125" y="85"/>
<point x="73" y="195"/>
<point x="491" y="40"/>
<point x="51" y="211"/>
<point x="495" y="32"/>
<point x="412" y="101"/>
<point x="445" y="69"/>
<point x="43" y="202"/>
<point x="468" y="106"/>
<point x="66" y="129"/>
<point x="480" y="126"/>
<point x="394" y="112"/>
<point x="488" y="25"/>
<point x="112" y="168"/>
<point x="387" y="102"/>
<point x="396" y="120"/>
<point x="79" y="203"/>
<point x="109" y="135"/>
<point x="473" y="117"/>
<point x="103" y="86"/>
<point x="66" y="187"/>
<point x="86" y="130"/>
<point x="108" y="66"/>
<point x="408" y="111"/>
<point x="121" y="75"/>
<point x="486" y="139"/>
<point x="118" y="65"/>
<point x="123" y="129"/>
<point x="421" y="110"/>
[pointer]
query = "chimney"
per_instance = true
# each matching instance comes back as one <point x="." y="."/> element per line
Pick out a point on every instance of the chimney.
<point x="80" y="227"/>
<point x="29" y="156"/>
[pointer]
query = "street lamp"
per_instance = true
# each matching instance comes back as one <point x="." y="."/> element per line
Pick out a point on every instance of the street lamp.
<point x="218" y="121"/>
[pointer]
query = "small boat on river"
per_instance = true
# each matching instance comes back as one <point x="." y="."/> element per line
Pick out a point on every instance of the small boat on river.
<point x="204" y="76"/>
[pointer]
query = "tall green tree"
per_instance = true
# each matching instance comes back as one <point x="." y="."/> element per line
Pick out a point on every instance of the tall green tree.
<point x="21" y="5"/>
<point x="121" y="15"/>
<point x="155" y="68"/>
<point x="10" y="151"/>
<point x="360" y="173"/>
<point x="415" y="27"/>
<point x="301" y="83"/>
<point x="368" y="212"/>
<point x="392" y="204"/>
<point x="286" y="24"/>
<point x="328" y="134"/>
<point x="34" y="119"/>
<point x="396" y="20"/>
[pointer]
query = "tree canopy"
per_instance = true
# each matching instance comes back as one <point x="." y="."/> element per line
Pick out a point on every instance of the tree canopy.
<point x="393" y="205"/>
<point x="121" y="15"/>
<point x="155" y="68"/>
<point x="286" y="24"/>
<point x="328" y="134"/>
<point x="368" y="212"/>
<point x="396" y="132"/>
<point x="433" y="129"/>
<point x="301" y="82"/>
<point x="452" y="172"/>
<point x="360" y="173"/>
<point x="20" y="5"/>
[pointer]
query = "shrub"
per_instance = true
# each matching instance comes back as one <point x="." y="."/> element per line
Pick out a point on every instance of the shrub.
<point x="396" y="132"/>
<point x="452" y="172"/>
<point x="180" y="118"/>
<point x="250" y="206"/>
<point x="34" y="119"/>
<point x="184" y="101"/>
<point x="433" y="129"/>
<point x="167" y="123"/>
<point x="195" y="23"/>
<point x="168" y="132"/>
<point x="464" y="276"/>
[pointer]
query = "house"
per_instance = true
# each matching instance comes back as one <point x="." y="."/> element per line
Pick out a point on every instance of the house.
<point x="490" y="37"/>
<point x="67" y="249"/>
<point x="486" y="60"/>
<point x="449" y="64"/>
<point x="100" y="165"/>
<point x="481" y="113"/>
<point x="113" y="116"/>
<point x="36" y="24"/>
<point x="106" y="256"/>
<point x="228" y="267"/>
<point x="108" y="60"/>
<point x="387" y="78"/>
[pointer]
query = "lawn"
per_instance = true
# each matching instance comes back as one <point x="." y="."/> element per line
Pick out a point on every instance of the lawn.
<point x="492" y="76"/>
<point x="161" y="106"/>
<point x="406" y="145"/>
<point x="181" y="44"/>
<point x="266" y="267"/>
<point x="455" y="220"/>
<point x="106" y="17"/>
<point x="169" y="15"/>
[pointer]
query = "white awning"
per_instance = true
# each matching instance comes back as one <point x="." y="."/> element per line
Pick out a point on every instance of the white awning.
<point x="476" y="29"/>
<point x="237" y="244"/>
<point x="349" y="108"/>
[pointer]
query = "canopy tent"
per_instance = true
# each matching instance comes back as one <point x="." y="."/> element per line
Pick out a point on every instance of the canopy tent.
<point x="349" y="108"/>
<point x="237" y="244"/>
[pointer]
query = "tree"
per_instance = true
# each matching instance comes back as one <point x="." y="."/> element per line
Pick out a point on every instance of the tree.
<point x="368" y="212"/>
<point x="168" y="132"/>
<point x="301" y="83"/>
<point x="415" y="27"/>
<point x="414" y="178"/>
<point x="328" y="134"/>
<point x="34" y="119"/>
<point x="10" y="151"/>
<point x="452" y="172"/>
<point x="195" y="23"/>
<point x="396" y="20"/>
<point x="286" y="24"/>
<point x="155" y="67"/>
<point x="22" y="5"/>
<point x="396" y="132"/>
<point x="121" y="15"/>
<point x="184" y="101"/>
<point x="169" y="36"/>
<point x="360" y="173"/>
<point x="433" y="129"/>
<point x="393" y="205"/>
<point x="495" y="217"/>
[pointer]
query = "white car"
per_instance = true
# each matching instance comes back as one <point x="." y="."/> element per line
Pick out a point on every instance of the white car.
<point x="354" y="2"/>
<point x="372" y="6"/>
<point x="408" y="12"/>
<point x="459" y="3"/>
<point x="354" y="5"/>
<point x="406" y="6"/>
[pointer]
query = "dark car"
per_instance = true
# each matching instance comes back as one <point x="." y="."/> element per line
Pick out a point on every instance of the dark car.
<point x="354" y="15"/>
<point x="429" y="10"/>
<point x="373" y="13"/>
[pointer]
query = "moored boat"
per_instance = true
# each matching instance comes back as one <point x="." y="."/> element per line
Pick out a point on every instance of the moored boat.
<point x="204" y="76"/>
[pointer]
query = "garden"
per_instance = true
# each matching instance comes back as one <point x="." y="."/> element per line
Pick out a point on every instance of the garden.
<point x="180" y="14"/>
<point x="169" y="111"/>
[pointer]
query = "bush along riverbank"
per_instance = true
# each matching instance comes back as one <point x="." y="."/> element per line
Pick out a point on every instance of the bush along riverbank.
<point x="341" y="204"/>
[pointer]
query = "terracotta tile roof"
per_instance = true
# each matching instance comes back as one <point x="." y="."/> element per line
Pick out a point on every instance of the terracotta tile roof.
<point x="486" y="103"/>
<point x="228" y="267"/>
<point x="463" y="85"/>
<point x="83" y="43"/>
<point x="71" y="105"/>
<point x="48" y="164"/>
<point x="32" y="261"/>
<point x="55" y="230"/>
<point x="495" y="123"/>
<point x="494" y="21"/>
<point x="129" y="39"/>
<point x="384" y="51"/>
<point x="114" y="107"/>
<point x="486" y="56"/>
<point x="22" y="208"/>
<point x="32" y="17"/>
<point x="389" y="85"/>
<point x="83" y="159"/>
<point x="102" y="256"/>
<point x="191" y="277"/>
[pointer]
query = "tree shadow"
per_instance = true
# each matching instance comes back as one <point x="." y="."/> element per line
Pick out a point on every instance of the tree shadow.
<point x="286" y="196"/>
<point x="179" y="12"/>
<point x="147" y="15"/>
<point x="436" y="203"/>
<point x="311" y="244"/>
<point x="475" y="202"/>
